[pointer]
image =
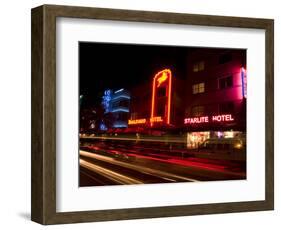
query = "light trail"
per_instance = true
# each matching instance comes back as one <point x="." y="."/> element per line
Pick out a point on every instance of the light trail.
<point x="153" y="172"/>
<point x="117" y="177"/>
<point x="181" y="140"/>
<point x="93" y="178"/>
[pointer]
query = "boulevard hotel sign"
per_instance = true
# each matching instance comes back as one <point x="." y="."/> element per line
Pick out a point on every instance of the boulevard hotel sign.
<point x="144" y="121"/>
<point x="209" y="119"/>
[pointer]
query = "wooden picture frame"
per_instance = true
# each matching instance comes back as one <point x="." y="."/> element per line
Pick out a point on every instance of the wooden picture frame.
<point x="43" y="208"/>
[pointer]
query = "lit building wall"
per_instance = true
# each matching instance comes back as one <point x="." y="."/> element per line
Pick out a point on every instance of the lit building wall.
<point x="214" y="86"/>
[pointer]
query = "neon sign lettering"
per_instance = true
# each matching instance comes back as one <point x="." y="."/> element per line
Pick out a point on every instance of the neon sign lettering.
<point x="156" y="119"/>
<point x="144" y="120"/>
<point x="196" y="120"/>
<point x="208" y="119"/>
<point x="137" y="121"/>
<point x="224" y="117"/>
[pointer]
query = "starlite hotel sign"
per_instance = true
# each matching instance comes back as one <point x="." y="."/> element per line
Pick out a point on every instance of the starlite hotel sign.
<point x="209" y="119"/>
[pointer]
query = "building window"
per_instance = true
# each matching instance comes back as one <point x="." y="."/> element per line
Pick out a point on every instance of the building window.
<point x="227" y="107"/>
<point x="198" y="88"/>
<point x="225" y="58"/>
<point x="226" y="82"/>
<point x="197" y="111"/>
<point x="199" y="66"/>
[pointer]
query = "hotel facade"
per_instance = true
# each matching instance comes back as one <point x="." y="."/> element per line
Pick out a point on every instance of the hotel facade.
<point x="209" y="102"/>
<point x="216" y="96"/>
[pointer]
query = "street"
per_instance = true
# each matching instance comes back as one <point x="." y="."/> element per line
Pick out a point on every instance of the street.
<point x="115" y="163"/>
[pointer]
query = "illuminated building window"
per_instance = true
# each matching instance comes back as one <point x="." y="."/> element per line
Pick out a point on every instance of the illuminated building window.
<point x="194" y="139"/>
<point x="197" y="110"/>
<point x="199" y="66"/>
<point x="198" y="88"/>
<point x="225" y="58"/>
<point x="226" y="82"/>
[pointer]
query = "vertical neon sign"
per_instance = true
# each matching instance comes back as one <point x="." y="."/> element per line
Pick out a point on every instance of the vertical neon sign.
<point x="163" y="77"/>
<point x="169" y="98"/>
<point x="106" y="98"/>
<point x="244" y="82"/>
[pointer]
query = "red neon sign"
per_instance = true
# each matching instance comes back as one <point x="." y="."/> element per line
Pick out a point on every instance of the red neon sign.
<point x="208" y="119"/>
<point x="161" y="77"/>
<point x="153" y="99"/>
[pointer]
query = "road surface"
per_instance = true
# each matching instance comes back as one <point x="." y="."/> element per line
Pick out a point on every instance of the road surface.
<point x="117" y="164"/>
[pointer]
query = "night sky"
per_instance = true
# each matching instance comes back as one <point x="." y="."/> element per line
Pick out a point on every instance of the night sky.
<point x="113" y="66"/>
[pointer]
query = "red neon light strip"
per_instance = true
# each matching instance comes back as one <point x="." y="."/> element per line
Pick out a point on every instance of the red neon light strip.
<point x="153" y="98"/>
<point x="169" y="97"/>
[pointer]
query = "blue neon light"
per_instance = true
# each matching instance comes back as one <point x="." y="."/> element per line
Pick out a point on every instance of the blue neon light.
<point x="120" y="110"/>
<point x="106" y="98"/>
<point x="121" y="96"/>
<point x="120" y="90"/>
<point x="103" y="127"/>
<point x="120" y="126"/>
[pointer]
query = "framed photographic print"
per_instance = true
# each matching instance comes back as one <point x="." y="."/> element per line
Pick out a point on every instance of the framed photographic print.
<point x="140" y="114"/>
